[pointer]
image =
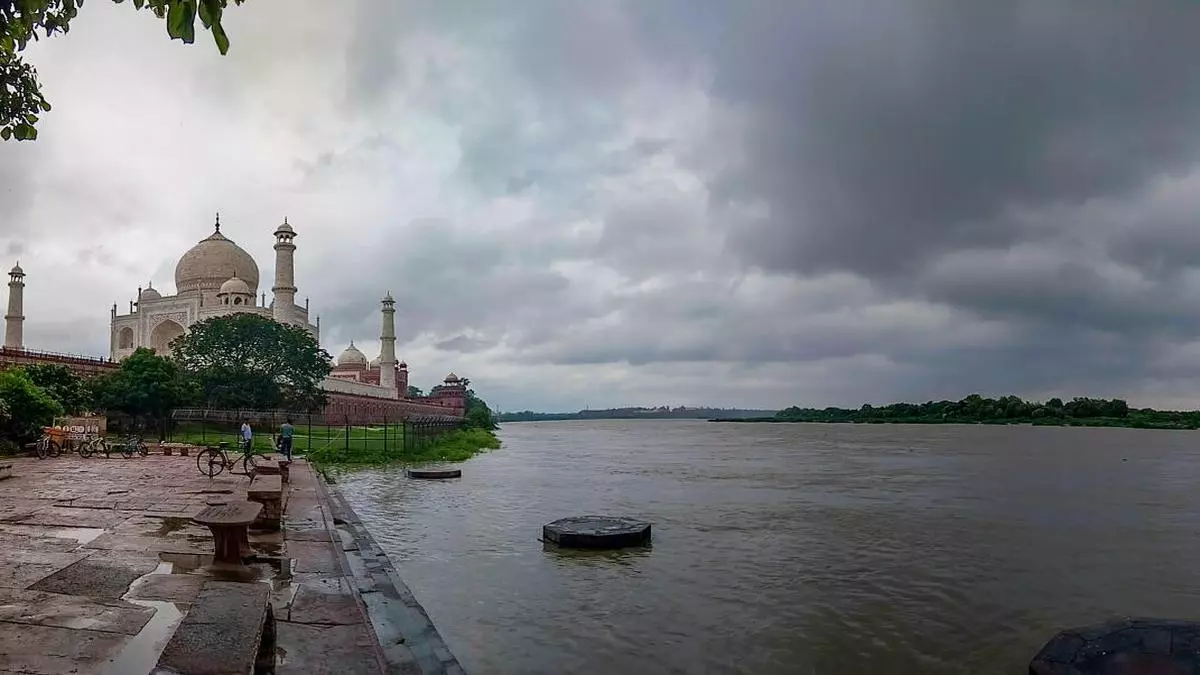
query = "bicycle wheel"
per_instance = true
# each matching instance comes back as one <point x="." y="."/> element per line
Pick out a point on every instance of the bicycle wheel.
<point x="54" y="450"/>
<point x="249" y="463"/>
<point x="42" y="447"/>
<point x="210" y="462"/>
<point x="143" y="449"/>
<point x="86" y="448"/>
<point x="127" y="450"/>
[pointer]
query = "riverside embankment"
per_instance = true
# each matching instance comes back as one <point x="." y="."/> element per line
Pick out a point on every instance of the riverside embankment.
<point x="101" y="569"/>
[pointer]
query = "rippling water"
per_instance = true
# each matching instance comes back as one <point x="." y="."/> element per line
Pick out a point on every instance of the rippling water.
<point x="798" y="549"/>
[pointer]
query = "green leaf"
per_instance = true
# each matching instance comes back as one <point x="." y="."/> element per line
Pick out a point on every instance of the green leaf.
<point x="221" y="38"/>
<point x="210" y="12"/>
<point x="31" y="118"/>
<point x="25" y="132"/>
<point x="6" y="133"/>
<point x="138" y="4"/>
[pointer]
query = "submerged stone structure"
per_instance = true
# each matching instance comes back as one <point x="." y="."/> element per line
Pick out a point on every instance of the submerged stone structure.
<point x="597" y="532"/>
<point x="1123" y="647"/>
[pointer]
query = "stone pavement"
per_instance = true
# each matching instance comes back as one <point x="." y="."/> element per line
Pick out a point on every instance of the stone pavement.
<point x="100" y="563"/>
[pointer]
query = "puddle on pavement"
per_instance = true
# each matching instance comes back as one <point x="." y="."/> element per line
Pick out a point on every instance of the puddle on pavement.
<point x="140" y="654"/>
<point x="82" y="535"/>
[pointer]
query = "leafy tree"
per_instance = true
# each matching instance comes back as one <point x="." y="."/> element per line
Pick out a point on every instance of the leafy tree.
<point x="28" y="406"/>
<point x="146" y="386"/>
<point x="477" y="414"/>
<point x="415" y="392"/>
<point x="63" y="385"/>
<point x="248" y="361"/>
<point x="21" y="99"/>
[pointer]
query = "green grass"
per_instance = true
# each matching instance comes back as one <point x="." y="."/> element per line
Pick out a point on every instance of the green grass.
<point x="328" y="447"/>
<point x="452" y="446"/>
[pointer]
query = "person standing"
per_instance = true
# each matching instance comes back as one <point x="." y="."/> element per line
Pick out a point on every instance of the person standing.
<point x="285" y="438"/>
<point x="247" y="435"/>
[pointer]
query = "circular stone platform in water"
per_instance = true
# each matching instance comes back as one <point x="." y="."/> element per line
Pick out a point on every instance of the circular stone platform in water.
<point x="1127" y="647"/>
<point x="434" y="473"/>
<point x="597" y="532"/>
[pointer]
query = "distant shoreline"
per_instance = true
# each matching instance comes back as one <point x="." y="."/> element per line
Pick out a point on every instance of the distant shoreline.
<point x="1097" y="422"/>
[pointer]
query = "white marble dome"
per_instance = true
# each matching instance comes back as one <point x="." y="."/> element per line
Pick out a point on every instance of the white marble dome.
<point x="212" y="262"/>
<point x="352" y="357"/>
<point x="150" y="294"/>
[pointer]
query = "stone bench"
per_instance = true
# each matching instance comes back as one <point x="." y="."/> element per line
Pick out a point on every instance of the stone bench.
<point x="229" y="630"/>
<point x="6" y="470"/>
<point x="267" y="491"/>
<point x="230" y="525"/>
<point x="274" y="468"/>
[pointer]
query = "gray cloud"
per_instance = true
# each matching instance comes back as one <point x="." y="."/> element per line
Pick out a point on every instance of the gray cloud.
<point x="573" y="203"/>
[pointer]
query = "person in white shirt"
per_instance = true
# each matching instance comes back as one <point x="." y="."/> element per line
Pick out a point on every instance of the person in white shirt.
<point x="247" y="435"/>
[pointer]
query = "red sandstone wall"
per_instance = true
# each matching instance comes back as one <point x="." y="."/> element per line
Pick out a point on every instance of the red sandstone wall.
<point x="82" y="365"/>
<point x="342" y="408"/>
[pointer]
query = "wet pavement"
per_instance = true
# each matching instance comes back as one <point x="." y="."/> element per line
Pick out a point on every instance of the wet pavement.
<point x="100" y="564"/>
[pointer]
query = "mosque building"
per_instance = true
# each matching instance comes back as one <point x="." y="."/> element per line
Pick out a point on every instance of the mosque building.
<point x="216" y="277"/>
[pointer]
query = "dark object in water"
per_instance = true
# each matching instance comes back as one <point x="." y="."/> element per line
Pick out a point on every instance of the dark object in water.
<point x="597" y="532"/>
<point x="434" y="473"/>
<point x="1124" y="647"/>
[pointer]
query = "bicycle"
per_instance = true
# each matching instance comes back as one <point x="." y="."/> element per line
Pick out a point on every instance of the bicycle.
<point x="213" y="460"/>
<point x="136" y="445"/>
<point x="46" y="445"/>
<point x="90" y="446"/>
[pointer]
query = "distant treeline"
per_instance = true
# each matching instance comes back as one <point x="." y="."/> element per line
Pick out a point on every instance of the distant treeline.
<point x="660" y="413"/>
<point x="976" y="409"/>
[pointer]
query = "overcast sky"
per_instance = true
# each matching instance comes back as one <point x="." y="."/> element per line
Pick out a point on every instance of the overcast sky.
<point x="580" y="203"/>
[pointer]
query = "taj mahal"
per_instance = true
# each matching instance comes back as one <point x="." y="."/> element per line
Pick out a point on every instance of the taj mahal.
<point x="216" y="277"/>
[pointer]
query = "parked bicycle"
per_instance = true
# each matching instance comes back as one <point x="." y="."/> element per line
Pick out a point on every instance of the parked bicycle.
<point x="50" y="443"/>
<point x="135" y="445"/>
<point x="213" y="460"/>
<point x="95" y="445"/>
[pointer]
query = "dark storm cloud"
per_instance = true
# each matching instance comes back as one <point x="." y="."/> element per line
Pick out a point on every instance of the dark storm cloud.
<point x="884" y="134"/>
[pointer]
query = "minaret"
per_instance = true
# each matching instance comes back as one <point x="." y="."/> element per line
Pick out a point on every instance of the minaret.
<point x="387" y="344"/>
<point x="285" y="273"/>
<point x="14" y="320"/>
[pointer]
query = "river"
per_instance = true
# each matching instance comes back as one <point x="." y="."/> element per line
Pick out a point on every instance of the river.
<point x="795" y="548"/>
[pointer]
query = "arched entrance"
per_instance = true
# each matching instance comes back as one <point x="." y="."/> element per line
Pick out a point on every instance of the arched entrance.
<point x="125" y="338"/>
<point x="161" y="336"/>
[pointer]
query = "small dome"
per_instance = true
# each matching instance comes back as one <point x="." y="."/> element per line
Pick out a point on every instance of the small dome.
<point x="375" y="362"/>
<point x="452" y="378"/>
<point x="352" y="357"/>
<point x="150" y="294"/>
<point x="17" y="271"/>
<point x="235" y="286"/>
<point x="285" y="229"/>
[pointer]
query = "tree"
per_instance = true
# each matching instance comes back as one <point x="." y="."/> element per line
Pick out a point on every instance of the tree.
<point x="29" y="407"/>
<point x="477" y="413"/>
<point x="249" y="361"/>
<point x="63" y="385"/>
<point x="415" y="392"/>
<point x="146" y="386"/>
<point x="21" y="99"/>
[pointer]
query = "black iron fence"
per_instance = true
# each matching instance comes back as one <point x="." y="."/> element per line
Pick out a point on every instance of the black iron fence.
<point x="312" y="433"/>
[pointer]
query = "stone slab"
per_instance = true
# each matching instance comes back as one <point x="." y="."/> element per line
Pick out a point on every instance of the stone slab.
<point x="71" y="611"/>
<point x="326" y="650"/>
<point x="96" y="577"/>
<point x="313" y="556"/>
<point x="221" y="632"/>
<point x="47" y="650"/>
<point x="315" y="606"/>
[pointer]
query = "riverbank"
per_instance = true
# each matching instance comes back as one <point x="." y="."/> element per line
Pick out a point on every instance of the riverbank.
<point x="100" y="566"/>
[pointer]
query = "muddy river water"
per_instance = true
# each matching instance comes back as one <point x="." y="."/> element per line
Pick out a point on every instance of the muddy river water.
<point x="798" y="549"/>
